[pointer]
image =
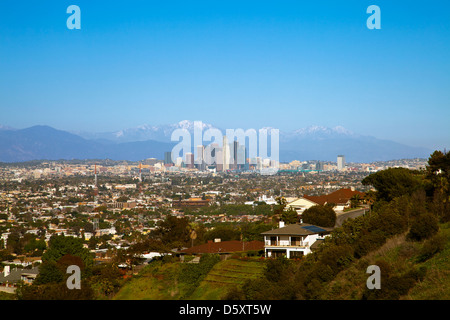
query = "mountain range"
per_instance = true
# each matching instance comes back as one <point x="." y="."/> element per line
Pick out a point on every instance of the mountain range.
<point x="134" y="144"/>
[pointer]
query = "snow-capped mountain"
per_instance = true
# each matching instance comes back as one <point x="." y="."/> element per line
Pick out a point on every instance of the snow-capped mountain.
<point x="311" y="143"/>
<point x="146" y="141"/>
<point x="144" y="132"/>
<point x="320" y="132"/>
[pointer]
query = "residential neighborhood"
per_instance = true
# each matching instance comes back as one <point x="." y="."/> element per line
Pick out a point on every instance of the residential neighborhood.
<point x="130" y="221"/>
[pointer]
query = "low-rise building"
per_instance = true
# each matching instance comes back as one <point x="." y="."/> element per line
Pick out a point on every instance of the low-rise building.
<point x="293" y="240"/>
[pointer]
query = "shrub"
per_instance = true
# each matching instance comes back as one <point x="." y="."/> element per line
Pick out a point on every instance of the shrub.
<point x="275" y="268"/>
<point x="369" y="242"/>
<point x="432" y="246"/>
<point x="393" y="286"/>
<point x="423" y="227"/>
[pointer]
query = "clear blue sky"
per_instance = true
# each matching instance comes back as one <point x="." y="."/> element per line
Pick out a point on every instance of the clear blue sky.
<point x="235" y="64"/>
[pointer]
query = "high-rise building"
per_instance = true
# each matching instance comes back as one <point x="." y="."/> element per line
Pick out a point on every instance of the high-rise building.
<point x="200" y="161"/>
<point x="189" y="160"/>
<point x="235" y="163"/>
<point x="168" y="157"/>
<point x="340" y="162"/>
<point x="241" y="158"/>
<point x="226" y="154"/>
<point x="218" y="151"/>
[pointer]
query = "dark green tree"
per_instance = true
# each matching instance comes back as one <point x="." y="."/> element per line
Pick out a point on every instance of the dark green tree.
<point x="60" y="245"/>
<point x="394" y="182"/>
<point x="323" y="216"/>
<point x="173" y="230"/>
<point x="289" y="216"/>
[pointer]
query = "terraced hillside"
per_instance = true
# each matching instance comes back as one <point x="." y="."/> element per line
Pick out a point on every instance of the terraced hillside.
<point x="226" y="275"/>
<point x="161" y="281"/>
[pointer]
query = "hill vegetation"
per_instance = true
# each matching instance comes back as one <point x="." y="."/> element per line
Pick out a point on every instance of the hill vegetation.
<point x="211" y="279"/>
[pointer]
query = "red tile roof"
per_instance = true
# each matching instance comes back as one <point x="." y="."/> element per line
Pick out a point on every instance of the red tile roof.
<point x="337" y="197"/>
<point x="225" y="247"/>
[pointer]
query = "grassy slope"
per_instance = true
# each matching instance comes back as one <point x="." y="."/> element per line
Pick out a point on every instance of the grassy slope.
<point x="226" y="275"/>
<point x="157" y="281"/>
<point x="160" y="281"/>
<point x="7" y="296"/>
<point x="398" y="253"/>
<point x="436" y="285"/>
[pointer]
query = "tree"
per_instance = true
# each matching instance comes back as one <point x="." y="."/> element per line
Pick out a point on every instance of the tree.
<point x="319" y="215"/>
<point x="49" y="273"/>
<point x="355" y="201"/>
<point x="223" y="232"/>
<point x="289" y="216"/>
<point x="393" y="182"/>
<point x="60" y="245"/>
<point x="173" y="229"/>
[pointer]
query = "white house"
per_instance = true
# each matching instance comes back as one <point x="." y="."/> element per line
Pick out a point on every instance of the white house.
<point x="293" y="240"/>
<point x="265" y="199"/>
<point x="300" y="204"/>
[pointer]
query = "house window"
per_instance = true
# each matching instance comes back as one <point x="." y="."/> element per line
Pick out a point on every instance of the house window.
<point x="278" y="253"/>
<point x="296" y="254"/>
<point x="296" y="241"/>
<point x="273" y="241"/>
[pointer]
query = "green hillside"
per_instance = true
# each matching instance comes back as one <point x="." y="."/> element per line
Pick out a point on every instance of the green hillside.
<point x="226" y="275"/>
<point x="157" y="281"/>
<point x="398" y="256"/>
<point x="166" y="281"/>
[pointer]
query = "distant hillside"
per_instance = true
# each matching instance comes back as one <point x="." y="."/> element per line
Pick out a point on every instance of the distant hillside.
<point x="312" y="143"/>
<point x="43" y="142"/>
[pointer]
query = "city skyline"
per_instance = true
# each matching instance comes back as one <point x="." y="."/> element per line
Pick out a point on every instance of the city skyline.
<point x="232" y="64"/>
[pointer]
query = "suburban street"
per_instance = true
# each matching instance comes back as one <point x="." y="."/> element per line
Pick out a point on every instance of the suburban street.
<point x="341" y="217"/>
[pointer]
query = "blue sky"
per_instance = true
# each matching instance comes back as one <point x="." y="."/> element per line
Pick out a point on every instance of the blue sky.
<point x="235" y="64"/>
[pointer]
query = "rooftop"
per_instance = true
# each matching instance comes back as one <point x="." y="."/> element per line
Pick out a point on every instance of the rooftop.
<point x="225" y="247"/>
<point x="298" y="229"/>
<point x="338" y="197"/>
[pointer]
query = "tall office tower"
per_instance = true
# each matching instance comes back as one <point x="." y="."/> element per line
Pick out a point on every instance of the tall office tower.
<point x="241" y="158"/>
<point x="200" y="162"/>
<point x="218" y="151"/>
<point x="340" y="162"/>
<point x="168" y="157"/>
<point x="189" y="160"/>
<point x="226" y="154"/>
<point x="210" y="157"/>
<point x="235" y="163"/>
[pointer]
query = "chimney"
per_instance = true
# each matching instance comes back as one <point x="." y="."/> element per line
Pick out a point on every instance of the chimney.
<point x="6" y="271"/>
<point x="281" y="224"/>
